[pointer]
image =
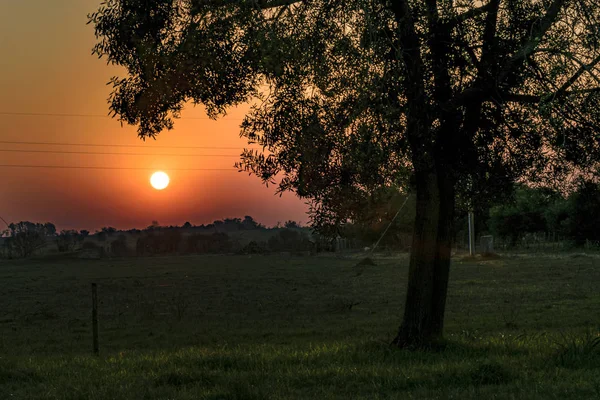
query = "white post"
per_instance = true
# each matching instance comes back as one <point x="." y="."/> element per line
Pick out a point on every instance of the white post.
<point x="471" y="233"/>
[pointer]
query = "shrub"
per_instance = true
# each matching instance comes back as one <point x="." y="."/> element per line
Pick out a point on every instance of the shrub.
<point x="290" y="240"/>
<point x="89" y="246"/>
<point x="159" y="242"/>
<point x="119" y="247"/>
<point x="214" y="243"/>
<point x="255" y="248"/>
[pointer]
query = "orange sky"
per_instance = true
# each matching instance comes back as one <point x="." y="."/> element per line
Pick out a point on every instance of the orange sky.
<point x="46" y="66"/>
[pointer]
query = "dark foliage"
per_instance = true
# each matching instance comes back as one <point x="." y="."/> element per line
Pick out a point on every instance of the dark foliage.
<point x="454" y="100"/>
<point x="209" y="243"/>
<point x="25" y="237"/>
<point x="255" y="248"/>
<point x="165" y="241"/>
<point x="119" y="248"/>
<point x="290" y="240"/>
<point x="67" y="240"/>
<point x="584" y="218"/>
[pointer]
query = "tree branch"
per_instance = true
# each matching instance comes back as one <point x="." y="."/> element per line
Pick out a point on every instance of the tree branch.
<point x="577" y="74"/>
<point x="535" y="37"/>
<point x="258" y="4"/>
<point x="571" y="57"/>
<point x="472" y="13"/>
<point x="535" y="99"/>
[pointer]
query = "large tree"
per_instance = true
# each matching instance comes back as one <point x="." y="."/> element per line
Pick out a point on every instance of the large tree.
<point x="453" y="99"/>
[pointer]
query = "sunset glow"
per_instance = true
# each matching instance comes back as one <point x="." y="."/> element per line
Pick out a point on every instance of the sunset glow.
<point x="159" y="180"/>
<point x="65" y="102"/>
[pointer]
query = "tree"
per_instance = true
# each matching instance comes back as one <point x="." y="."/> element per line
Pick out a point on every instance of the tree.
<point x="585" y="213"/>
<point x="291" y="224"/>
<point x="67" y="240"/>
<point x="530" y="211"/>
<point x="109" y="231"/>
<point x="26" y="237"/>
<point x="249" y="223"/>
<point x="451" y="100"/>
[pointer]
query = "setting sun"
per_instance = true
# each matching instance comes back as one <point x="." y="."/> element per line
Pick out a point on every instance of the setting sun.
<point x="159" y="180"/>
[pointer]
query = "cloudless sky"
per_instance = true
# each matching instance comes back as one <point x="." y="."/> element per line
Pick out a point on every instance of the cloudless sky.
<point x="46" y="66"/>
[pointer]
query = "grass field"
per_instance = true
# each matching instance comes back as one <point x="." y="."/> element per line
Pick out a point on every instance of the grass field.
<point x="278" y="327"/>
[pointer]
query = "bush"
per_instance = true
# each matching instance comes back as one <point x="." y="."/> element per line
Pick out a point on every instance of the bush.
<point x="119" y="247"/>
<point x="255" y="248"/>
<point x="290" y="240"/>
<point x="161" y="242"/>
<point x="89" y="246"/>
<point x="213" y="244"/>
<point x="585" y="213"/>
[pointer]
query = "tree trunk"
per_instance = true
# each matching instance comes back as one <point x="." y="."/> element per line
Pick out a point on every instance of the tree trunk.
<point x="430" y="260"/>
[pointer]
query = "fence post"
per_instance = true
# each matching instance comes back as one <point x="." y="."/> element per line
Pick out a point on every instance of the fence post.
<point x="95" y="318"/>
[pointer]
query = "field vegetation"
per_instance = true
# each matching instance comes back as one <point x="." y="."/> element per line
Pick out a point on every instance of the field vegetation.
<point x="286" y="327"/>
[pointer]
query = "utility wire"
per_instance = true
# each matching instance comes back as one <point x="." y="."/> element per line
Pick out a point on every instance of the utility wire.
<point x="115" y="145"/>
<point x="69" y="115"/>
<point x="112" y="153"/>
<point x="112" y="168"/>
<point x="389" y="225"/>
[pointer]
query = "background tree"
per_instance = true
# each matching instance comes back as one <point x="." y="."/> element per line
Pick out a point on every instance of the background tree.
<point x="109" y="231"/>
<point x="249" y="223"/>
<point x="67" y="240"/>
<point x="454" y="99"/>
<point x="291" y="224"/>
<point x="584" y="218"/>
<point x="25" y="237"/>
<point x="531" y="210"/>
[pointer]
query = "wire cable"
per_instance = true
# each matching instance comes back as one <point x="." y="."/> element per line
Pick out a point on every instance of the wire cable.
<point x="113" y="145"/>
<point x="113" y="168"/>
<point x="110" y="153"/>
<point x="71" y="115"/>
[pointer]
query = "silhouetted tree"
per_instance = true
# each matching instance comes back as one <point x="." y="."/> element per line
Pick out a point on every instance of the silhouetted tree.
<point x="26" y="237"/>
<point x="119" y="247"/>
<point x="585" y="213"/>
<point x="109" y="231"/>
<point x="67" y="240"/>
<point x="289" y="240"/>
<point x="291" y="224"/>
<point x="214" y="243"/>
<point x="527" y="212"/>
<point x="461" y="98"/>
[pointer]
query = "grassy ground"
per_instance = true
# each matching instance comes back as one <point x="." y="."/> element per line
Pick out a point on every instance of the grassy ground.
<point x="274" y="327"/>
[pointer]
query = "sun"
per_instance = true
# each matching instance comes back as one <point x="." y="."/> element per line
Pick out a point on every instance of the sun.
<point x="159" y="180"/>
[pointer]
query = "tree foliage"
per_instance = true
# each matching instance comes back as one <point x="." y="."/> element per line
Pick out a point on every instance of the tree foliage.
<point x="25" y="237"/>
<point x="451" y="99"/>
<point x="585" y="213"/>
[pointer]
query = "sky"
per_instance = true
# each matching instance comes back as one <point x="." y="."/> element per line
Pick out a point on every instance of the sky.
<point x="46" y="67"/>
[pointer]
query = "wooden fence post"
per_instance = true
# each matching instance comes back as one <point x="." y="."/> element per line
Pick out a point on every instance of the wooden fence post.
<point x="95" y="318"/>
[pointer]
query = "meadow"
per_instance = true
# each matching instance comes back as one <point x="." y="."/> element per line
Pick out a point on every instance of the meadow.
<point x="289" y="327"/>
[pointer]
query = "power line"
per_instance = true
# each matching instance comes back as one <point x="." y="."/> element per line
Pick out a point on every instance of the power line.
<point x="112" y="153"/>
<point x="113" y="168"/>
<point x="70" y="115"/>
<point x="115" y="145"/>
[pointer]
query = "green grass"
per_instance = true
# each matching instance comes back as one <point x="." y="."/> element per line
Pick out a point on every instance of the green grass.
<point x="277" y="327"/>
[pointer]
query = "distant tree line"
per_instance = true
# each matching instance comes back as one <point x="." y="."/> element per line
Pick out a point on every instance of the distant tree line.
<point x="525" y="213"/>
<point x="23" y="239"/>
<point x="549" y="214"/>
